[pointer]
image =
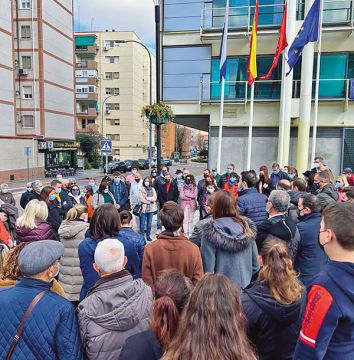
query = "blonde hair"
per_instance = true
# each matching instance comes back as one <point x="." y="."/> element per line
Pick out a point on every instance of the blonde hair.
<point x="35" y="209"/>
<point x="343" y="179"/>
<point x="76" y="212"/>
<point x="4" y="186"/>
<point x="278" y="273"/>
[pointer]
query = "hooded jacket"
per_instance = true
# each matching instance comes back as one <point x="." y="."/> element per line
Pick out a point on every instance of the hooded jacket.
<point x="328" y="327"/>
<point x="272" y="327"/>
<point x="327" y="195"/>
<point x="227" y="250"/>
<point x="253" y="205"/>
<point x="71" y="234"/>
<point x="42" y="231"/>
<point x="115" y="309"/>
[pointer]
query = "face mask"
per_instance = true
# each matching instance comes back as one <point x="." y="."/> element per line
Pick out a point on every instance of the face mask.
<point x="291" y="176"/>
<point x="316" y="186"/>
<point x="75" y="192"/>
<point x="105" y="191"/>
<point x="300" y="213"/>
<point x="84" y="191"/>
<point x="29" y="189"/>
<point x="316" y="165"/>
<point x="338" y="184"/>
<point x="147" y="184"/>
<point x="153" y="174"/>
<point x="275" y="172"/>
<point x="5" y="191"/>
<point x="60" y="179"/>
<point x="137" y="180"/>
<point x="122" y="180"/>
<point x="319" y="244"/>
<point x="228" y="171"/>
<point x="3" y="218"/>
<point x="58" y="190"/>
<point x="188" y="181"/>
<point x="232" y="180"/>
<point x="214" y="173"/>
<point x="134" y="171"/>
<point x="167" y="180"/>
<point x="92" y="183"/>
<point x="116" y="180"/>
<point x="164" y="172"/>
<point x="179" y="176"/>
<point x="51" y="197"/>
<point x="210" y="190"/>
<point x="40" y="189"/>
<point x="57" y="273"/>
<point x="240" y="187"/>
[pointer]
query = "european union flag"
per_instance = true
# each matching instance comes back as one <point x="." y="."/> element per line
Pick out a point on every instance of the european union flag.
<point x="307" y="33"/>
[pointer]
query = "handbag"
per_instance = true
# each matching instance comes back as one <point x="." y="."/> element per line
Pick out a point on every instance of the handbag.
<point x="138" y="209"/>
<point x="21" y="327"/>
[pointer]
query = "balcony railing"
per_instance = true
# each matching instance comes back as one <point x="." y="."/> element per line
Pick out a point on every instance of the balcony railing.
<point x="90" y="112"/>
<point x="86" y="50"/>
<point x="269" y="90"/>
<point x="270" y="16"/>
<point x="87" y="64"/>
<point x="92" y="80"/>
<point x="89" y="129"/>
<point x="87" y="96"/>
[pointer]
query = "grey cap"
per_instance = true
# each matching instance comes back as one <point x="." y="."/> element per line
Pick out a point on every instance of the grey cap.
<point x="39" y="256"/>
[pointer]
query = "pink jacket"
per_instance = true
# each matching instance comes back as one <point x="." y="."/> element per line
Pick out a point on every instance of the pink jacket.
<point x="189" y="197"/>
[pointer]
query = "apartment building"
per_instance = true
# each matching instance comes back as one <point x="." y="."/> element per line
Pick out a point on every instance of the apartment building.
<point x="190" y="81"/>
<point x="112" y="84"/>
<point x="37" y="123"/>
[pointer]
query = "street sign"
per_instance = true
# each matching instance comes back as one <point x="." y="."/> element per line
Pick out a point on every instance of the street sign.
<point x="28" y="150"/>
<point x="106" y="146"/>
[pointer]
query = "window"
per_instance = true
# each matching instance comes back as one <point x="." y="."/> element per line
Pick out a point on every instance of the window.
<point x="27" y="92"/>
<point x="91" y="89"/>
<point x="108" y="91"/>
<point x="116" y="107"/>
<point x="27" y="121"/>
<point x="116" y="122"/>
<point x="108" y="107"/>
<point x="116" y="75"/>
<point x="116" y="91"/>
<point x="25" y="32"/>
<point x="26" y="62"/>
<point x="107" y="59"/>
<point x="25" y="4"/>
<point x="116" y="59"/>
<point x="114" y="137"/>
<point x="117" y="152"/>
<point x="116" y="43"/>
<point x="84" y="73"/>
<point x="107" y="44"/>
<point x="108" y="76"/>
<point x="91" y="121"/>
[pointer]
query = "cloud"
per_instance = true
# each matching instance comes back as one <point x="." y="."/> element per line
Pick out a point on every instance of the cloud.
<point x="121" y="15"/>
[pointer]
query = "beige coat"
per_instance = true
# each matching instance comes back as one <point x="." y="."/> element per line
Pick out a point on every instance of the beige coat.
<point x="71" y="234"/>
<point x="148" y="203"/>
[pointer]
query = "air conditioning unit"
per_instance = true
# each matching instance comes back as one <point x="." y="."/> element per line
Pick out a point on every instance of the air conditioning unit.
<point x="106" y="48"/>
<point x="108" y="111"/>
<point x="23" y="72"/>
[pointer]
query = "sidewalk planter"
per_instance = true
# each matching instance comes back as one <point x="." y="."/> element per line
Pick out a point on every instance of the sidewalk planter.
<point x="158" y="113"/>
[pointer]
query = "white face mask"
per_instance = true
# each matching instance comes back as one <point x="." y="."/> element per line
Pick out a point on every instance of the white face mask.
<point x="57" y="273"/>
<point x="3" y="217"/>
<point x="146" y="183"/>
<point x="316" y="165"/>
<point x="134" y="171"/>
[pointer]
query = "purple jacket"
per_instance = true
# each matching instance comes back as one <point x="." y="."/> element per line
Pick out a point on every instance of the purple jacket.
<point x="43" y="231"/>
<point x="189" y="197"/>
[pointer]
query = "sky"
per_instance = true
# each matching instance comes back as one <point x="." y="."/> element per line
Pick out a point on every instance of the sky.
<point x="121" y="15"/>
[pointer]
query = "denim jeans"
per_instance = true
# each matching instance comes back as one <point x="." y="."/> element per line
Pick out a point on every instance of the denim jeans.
<point x="146" y="217"/>
<point x="159" y="226"/>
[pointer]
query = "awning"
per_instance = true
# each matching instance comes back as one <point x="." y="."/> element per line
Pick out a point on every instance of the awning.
<point x="84" y="40"/>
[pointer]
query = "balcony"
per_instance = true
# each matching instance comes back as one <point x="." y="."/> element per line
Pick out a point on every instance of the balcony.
<point x="88" y="112"/>
<point x="87" y="64"/>
<point x="269" y="90"/>
<point x="86" y="96"/>
<point x="91" y="129"/>
<point x="337" y="15"/>
<point x="83" y="50"/>
<point x="93" y="80"/>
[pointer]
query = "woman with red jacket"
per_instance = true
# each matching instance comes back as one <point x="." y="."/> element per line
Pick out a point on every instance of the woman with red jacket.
<point x="232" y="185"/>
<point x="5" y="237"/>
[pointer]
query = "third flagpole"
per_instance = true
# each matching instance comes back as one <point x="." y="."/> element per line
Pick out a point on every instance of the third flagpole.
<point x="250" y="129"/>
<point x="221" y="123"/>
<point x="317" y="89"/>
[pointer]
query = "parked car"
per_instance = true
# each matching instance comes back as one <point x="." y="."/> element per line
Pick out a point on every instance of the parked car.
<point x="167" y="162"/>
<point x="130" y="163"/>
<point x="143" y="164"/>
<point x="117" y="166"/>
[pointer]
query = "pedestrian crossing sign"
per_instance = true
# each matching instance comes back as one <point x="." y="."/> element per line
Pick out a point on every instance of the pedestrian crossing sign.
<point x="106" y="146"/>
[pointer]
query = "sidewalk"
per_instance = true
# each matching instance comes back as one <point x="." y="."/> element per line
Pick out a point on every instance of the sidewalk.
<point x="81" y="175"/>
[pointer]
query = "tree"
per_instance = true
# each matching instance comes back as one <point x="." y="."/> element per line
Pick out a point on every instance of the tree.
<point x="181" y="133"/>
<point x="89" y="146"/>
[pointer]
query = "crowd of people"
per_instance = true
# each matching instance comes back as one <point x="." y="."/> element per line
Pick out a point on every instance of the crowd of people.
<point x="266" y="272"/>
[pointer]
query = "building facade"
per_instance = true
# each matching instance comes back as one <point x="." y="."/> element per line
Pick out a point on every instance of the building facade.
<point x="112" y="84"/>
<point x="190" y="81"/>
<point x="36" y="87"/>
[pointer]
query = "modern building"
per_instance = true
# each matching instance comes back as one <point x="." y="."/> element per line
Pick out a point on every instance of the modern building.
<point x="112" y="84"/>
<point x="190" y="81"/>
<point x="37" y="123"/>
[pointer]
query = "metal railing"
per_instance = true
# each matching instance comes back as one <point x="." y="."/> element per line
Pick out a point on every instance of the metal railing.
<point x="269" y="90"/>
<point x="270" y="16"/>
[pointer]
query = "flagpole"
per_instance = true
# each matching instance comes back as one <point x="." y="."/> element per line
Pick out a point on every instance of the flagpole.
<point x="250" y="129"/>
<point x="317" y="89"/>
<point x="221" y="124"/>
<point x="282" y="111"/>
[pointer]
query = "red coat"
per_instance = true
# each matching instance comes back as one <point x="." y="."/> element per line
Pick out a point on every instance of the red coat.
<point x="4" y="234"/>
<point x="233" y="189"/>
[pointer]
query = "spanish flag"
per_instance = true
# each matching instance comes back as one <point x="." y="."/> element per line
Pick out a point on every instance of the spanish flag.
<point x="252" y="60"/>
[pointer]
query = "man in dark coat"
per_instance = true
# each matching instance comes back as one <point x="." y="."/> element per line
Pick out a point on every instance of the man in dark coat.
<point x="51" y="332"/>
<point x="25" y="197"/>
<point x="226" y="177"/>
<point x="37" y="187"/>
<point x="277" y="175"/>
<point x="279" y="224"/>
<point x="326" y="193"/>
<point x="167" y="191"/>
<point x="120" y="192"/>
<point x="251" y="203"/>
<point x="310" y="258"/>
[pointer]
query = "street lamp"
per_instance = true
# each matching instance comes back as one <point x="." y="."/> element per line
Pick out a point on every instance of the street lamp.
<point x="150" y="76"/>
<point x="102" y="132"/>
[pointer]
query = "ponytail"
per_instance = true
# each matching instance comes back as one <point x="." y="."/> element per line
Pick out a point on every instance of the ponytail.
<point x="76" y="211"/>
<point x="278" y="273"/>
<point x="164" y="321"/>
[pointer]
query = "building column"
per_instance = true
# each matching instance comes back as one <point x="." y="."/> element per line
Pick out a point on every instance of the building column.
<point x="287" y="87"/>
<point x="303" y="136"/>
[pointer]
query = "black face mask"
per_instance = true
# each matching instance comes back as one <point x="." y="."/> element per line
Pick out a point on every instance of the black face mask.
<point x="319" y="244"/>
<point x="188" y="181"/>
<point x="316" y="186"/>
<point x="137" y="180"/>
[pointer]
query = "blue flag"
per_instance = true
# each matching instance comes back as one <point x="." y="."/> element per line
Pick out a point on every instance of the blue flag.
<point x="223" y="45"/>
<point x="307" y="33"/>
